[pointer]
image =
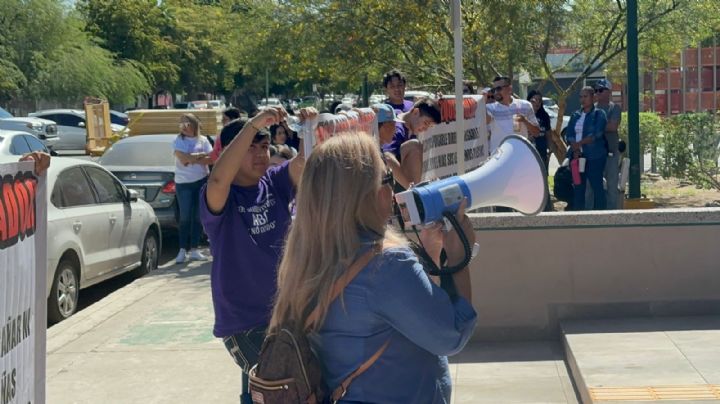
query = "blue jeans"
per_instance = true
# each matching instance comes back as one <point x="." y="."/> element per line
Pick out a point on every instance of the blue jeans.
<point x="188" y="198"/>
<point x="594" y="170"/>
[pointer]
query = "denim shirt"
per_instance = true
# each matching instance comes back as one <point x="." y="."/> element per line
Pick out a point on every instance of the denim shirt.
<point x="392" y="299"/>
<point x="594" y="126"/>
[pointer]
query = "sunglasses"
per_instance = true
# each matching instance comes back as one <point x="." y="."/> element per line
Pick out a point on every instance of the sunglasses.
<point x="600" y="90"/>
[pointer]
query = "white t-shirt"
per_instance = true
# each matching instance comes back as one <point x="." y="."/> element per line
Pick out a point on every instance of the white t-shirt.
<point x="501" y="125"/>
<point x="579" y="126"/>
<point x="189" y="145"/>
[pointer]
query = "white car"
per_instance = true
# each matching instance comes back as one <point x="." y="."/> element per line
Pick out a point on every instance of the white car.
<point x="17" y="143"/>
<point x="71" y="127"/>
<point x="269" y="102"/>
<point x="376" y="99"/>
<point x="96" y="228"/>
<point x="43" y="129"/>
<point x="413" y="96"/>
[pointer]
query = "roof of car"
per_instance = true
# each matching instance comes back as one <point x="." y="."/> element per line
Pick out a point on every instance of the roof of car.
<point x="59" y="111"/>
<point x="158" y="138"/>
<point x="9" y="133"/>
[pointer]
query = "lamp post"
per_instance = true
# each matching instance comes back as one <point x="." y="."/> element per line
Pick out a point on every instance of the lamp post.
<point x="633" y="99"/>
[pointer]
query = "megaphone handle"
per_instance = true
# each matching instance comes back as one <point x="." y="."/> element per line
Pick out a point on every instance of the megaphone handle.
<point x="443" y="256"/>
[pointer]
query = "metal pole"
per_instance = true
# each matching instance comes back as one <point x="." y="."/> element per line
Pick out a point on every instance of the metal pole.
<point x="267" y="84"/>
<point x="633" y="99"/>
<point x="715" y="83"/>
<point x="683" y="76"/>
<point x="459" y="110"/>
<point x="699" y="78"/>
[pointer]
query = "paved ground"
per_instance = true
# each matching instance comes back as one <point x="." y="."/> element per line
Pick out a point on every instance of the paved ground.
<point x="151" y="342"/>
<point x="646" y="359"/>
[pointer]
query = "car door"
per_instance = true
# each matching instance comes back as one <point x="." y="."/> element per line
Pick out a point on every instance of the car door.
<point x="82" y="216"/>
<point x="71" y="131"/>
<point x="124" y="245"/>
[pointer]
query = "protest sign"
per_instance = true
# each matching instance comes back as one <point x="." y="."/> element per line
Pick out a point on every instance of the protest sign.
<point x="440" y="157"/>
<point x="23" y="263"/>
<point x="316" y="131"/>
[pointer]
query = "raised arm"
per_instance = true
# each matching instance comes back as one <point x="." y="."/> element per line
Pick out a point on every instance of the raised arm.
<point x="229" y="162"/>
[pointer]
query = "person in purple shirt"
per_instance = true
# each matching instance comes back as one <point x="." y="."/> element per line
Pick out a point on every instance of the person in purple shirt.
<point x="244" y="209"/>
<point x="394" y="83"/>
<point x="404" y="152"/>
<point x="343" y="208"/>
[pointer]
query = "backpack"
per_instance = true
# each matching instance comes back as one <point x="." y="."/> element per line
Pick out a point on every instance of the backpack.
<point x="563" y="189"/>
<point x="288" y="370"/>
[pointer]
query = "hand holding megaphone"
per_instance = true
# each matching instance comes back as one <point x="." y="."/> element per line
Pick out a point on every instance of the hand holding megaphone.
<point x="514" y="176"/>
<point x="455" y="248"/>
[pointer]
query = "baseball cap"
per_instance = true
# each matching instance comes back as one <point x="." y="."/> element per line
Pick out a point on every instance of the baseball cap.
<point x="385" y="113"/>
<point x="603" y="83"/>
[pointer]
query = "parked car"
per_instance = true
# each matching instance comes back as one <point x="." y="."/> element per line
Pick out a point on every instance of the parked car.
<point x="43" y="129"/>
<point x="550" y="104"/>
<point x="119" y="118"/>
<point x="269" y="102"/>
<point x="71" y="126"/>
<point x="97" y="229"/>
<point x="146" y="164"/>
<point x="376" y="99"/>
<point x="216" y="104"/>
<point x="198" y="105"/>
<point x="17" y="143"/>
<point x="413" y="96"/>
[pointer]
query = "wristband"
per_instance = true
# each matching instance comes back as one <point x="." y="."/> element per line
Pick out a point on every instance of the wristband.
<point x="255" y="127"/>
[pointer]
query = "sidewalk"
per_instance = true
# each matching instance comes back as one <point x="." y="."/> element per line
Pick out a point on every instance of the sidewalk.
<point x="151" y="342"/>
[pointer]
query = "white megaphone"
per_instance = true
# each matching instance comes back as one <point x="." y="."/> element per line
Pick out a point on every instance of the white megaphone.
<point x="514" y="177"/>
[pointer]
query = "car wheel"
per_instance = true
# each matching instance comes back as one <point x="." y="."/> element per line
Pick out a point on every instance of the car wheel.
<point x="63" y="299"/>
<point x="150" y="254"/>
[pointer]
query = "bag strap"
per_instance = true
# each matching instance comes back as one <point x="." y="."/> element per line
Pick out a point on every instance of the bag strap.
<point x="345" y="280"/>
<point x="340" y="391"/>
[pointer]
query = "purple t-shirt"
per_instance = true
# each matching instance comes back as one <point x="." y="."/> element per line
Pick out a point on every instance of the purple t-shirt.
<point x="402" y="135"/>
<point x="246" y="241"/>
<point x="406" y="106"/>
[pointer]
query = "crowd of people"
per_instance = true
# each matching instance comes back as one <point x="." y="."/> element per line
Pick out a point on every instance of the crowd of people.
<point x="282" y="230"/>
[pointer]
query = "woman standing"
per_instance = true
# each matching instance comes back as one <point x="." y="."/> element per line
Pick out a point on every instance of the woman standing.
<point x="541" y="141"/>
<point x="192" y="158"/>
<point x="343" y="208"/>
<point x="586" y="136"/>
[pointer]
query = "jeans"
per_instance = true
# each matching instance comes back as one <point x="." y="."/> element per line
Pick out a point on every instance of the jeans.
<point x="593" y="174"/>
<point x="612" y="175"/>
<point x="244" y="347"/>
<point x="188" y="198"/>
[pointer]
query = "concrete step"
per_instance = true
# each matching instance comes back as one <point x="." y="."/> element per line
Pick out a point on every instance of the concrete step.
<point x="641" y="360"/>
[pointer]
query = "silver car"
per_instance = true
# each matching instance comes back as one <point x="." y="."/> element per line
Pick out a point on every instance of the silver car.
<point x="146" y="164"/>
<point x="17" y="143"/>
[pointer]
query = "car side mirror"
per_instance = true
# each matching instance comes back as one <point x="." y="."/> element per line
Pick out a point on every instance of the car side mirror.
<point x="53" y="153"/>
<point x="132" y="195"/>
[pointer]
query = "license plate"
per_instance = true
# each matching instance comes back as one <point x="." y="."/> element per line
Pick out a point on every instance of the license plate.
<point x="140" y="192"/>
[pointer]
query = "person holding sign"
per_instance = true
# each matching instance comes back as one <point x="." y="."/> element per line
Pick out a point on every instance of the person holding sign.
<point x="245" y="211"/>
<point x="405" y="148"/>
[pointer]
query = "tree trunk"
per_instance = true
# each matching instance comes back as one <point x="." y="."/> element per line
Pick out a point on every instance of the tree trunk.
<point x="557" y="144"/>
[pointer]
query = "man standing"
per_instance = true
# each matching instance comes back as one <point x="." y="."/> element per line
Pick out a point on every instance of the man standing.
<point x="509" y="115"/>
<point x="603" y="90"/>
<point x="394" y="83"/>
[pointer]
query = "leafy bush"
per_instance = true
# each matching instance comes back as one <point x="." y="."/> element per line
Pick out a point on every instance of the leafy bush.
<point x="651" y="131"/>
<point x="691" y="149"/>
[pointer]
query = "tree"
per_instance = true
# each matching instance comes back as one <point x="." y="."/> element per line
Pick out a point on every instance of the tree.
<point x="596" y="31"/>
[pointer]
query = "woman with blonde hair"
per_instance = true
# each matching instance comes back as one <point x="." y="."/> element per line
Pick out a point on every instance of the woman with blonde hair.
<point x="192" y="151"/>
<point x="346" y="193"/>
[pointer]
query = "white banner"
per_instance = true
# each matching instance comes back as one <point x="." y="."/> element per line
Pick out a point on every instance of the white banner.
<point x="440" y="158"/>
<point x="23" y="240"/>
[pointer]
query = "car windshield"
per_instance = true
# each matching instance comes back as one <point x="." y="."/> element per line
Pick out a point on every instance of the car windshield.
<point x="150" y="153"/>
<point x="4" y="114"/>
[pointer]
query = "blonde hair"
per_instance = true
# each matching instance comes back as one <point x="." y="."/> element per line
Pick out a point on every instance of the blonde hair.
<point x="336" y="200"/>
<point x="194" y="123"/>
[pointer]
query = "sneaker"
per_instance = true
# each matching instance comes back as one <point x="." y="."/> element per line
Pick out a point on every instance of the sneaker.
<point x="196" y="255"/>
<point x="181" y="257"/>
